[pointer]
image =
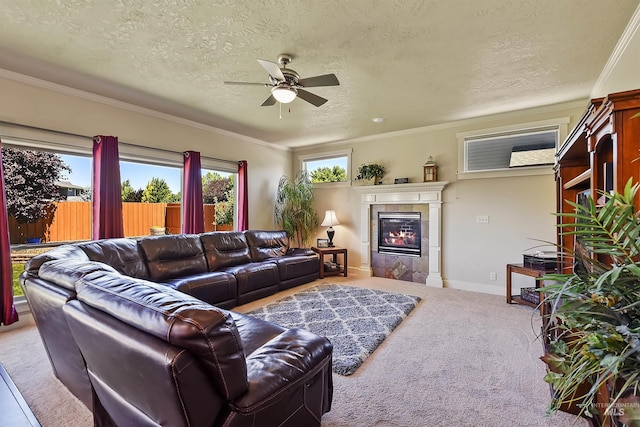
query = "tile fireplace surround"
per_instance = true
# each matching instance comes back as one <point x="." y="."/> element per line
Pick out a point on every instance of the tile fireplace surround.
<point x="429" y="193"/>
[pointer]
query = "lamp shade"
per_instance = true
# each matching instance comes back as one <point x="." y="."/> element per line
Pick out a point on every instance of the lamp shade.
<point x="284" y="94"/>
<point x="330" y="219"/>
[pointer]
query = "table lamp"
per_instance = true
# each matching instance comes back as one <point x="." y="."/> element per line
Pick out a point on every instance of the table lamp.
<point x="330" y="220"/>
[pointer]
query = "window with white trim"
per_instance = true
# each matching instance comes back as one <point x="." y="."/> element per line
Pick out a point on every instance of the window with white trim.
<point x="527" y="149"/>
<point x="331" y="167"/>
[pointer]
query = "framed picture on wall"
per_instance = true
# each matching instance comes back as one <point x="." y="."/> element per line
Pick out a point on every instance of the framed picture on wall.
<point x="322" y="243"/>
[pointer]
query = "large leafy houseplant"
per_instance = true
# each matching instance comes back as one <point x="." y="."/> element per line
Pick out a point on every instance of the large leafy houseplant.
<point x="593" y="323"/>
<point x="294" y="208"/>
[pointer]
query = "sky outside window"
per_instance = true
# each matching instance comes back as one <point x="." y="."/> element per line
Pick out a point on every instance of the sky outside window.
<point x="138" y="174"/>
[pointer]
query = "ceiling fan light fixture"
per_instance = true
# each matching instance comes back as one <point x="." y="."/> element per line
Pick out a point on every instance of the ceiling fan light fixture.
<point x="284" y="94"/>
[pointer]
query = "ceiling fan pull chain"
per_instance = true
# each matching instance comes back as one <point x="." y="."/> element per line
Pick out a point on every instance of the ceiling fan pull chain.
<point x="280" y="110"/>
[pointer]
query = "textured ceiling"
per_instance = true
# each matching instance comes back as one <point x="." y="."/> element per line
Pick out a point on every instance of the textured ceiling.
<point x="415" y="63"/>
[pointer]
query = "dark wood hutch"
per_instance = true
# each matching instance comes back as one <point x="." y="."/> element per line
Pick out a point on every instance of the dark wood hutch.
<point x="600" y="154"/>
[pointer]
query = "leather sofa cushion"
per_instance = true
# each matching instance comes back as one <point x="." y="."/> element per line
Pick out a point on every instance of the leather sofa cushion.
<point x="290" y="357"/>
<point x="173" y="256"/>
<point x="211" y="287"/>
<point x="267" y="244"/>
<point x="290" y="267"/>
<point x="254" y="332"/>
<point x="122" y="254"/>
<point x="225" y="249"/>
<point x="254" y="276"/>
<point x="158" y="383"/>
<point x="67" y="252"/>
<point x="208" y="332"/>
<point x="66" y="272"/>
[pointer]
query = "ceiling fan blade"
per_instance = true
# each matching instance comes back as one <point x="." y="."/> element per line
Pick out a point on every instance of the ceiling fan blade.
<point x="246" y="83"/>
<point x="269" y="101"/>
<point x="273" y="69"/>
<point x="311" y="98"/>
<point x="324" y="80"/>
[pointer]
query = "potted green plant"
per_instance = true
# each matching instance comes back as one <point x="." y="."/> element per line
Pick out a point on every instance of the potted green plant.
<point x="593" y="326"/>
<point x="370" y="171"/>
<point x="294" y="208"/>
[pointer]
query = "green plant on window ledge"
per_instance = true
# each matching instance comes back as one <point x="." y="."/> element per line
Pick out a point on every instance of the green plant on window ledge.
<point x="368" y="171"/>
<point x="593" y="325"/>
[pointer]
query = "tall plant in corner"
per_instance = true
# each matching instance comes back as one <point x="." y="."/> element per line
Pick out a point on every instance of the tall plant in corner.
<point x="294" y="208"/>
<point x="594" y="317"/>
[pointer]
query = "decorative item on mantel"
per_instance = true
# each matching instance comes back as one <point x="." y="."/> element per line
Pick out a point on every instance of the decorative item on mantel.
<point x="430" y="170"/>
<point x="370" y="171"/>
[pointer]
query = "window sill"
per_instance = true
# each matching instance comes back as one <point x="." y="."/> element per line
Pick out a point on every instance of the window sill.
<point x="22" y="307"/>
<point x="530" y="171"/>
<point x="331" y="184"/>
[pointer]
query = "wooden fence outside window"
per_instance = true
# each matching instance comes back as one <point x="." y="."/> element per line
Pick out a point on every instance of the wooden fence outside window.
<point x="72" y="221"/>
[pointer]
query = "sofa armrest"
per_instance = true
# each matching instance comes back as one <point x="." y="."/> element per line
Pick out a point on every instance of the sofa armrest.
<point x="280" y="364"/>
<point x="301" y="252"/>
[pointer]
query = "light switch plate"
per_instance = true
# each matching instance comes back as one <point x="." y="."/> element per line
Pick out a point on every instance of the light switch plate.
<point x="482" y="219"/>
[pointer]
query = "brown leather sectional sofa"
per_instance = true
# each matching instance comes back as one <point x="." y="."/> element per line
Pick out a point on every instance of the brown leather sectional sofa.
<point x="138" y="330"/>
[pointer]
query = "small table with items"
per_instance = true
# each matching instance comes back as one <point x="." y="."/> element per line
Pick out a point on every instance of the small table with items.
<point x="331" y="267"/>
<point x="526" y="271"/>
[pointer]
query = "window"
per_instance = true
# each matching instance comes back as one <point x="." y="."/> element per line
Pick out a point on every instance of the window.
<point x="42" y="202"/>
<point x="146" y="208"/>
<point x="151" y="198"/>
<point x="525" y="150"/>
<point x="333" y="167"/>
<point x="218" y="194"/>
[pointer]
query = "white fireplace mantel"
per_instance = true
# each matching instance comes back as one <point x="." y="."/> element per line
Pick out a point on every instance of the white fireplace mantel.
<point x="429" y="193"/>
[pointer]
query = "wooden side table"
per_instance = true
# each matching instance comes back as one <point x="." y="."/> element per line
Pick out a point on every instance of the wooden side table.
<point x="333" y="252"/>
<point x="525" y="271"/>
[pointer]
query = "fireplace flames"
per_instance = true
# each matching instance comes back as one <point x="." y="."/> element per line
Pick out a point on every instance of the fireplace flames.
<point x="400" y="238"/>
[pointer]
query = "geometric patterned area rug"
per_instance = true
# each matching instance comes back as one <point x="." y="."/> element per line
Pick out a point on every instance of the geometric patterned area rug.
<point x="355" y="320"/>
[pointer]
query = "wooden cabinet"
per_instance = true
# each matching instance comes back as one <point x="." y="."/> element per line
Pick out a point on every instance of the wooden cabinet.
<point x="600" y="154"/>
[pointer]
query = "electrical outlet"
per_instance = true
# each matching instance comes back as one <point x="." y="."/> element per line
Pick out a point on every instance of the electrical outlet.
<point x="493" y="275"/>
<point x="482" y="219"/>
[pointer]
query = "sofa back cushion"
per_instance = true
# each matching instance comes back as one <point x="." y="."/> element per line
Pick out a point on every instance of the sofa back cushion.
<point x="225" y="249"/>
<point x="206" y="331"/>
<point x="65" y="252"/>
<point x="176" y="255"/>
<point x="66" y="272"/>
<point x="122" y="254"/>
<point x="267" y="244"/>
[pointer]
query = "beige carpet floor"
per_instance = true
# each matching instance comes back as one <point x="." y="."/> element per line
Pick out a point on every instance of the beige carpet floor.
<point x="459" y="359"/>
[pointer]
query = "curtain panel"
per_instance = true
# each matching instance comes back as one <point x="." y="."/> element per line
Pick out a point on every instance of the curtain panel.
<point x="8" y="313"/>
<point x="243" y="196"/>
<point x="107" y="191"/>
<point x="192" y="208"/>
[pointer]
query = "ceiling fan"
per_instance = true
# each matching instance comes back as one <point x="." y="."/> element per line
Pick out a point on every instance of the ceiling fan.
<point x="286" y="84"/>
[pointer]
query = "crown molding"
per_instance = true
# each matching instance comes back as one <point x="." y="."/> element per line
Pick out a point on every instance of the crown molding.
<point x="621" y="46"/>
<point x="456" y="123"/>
<point x="66" y="90"/>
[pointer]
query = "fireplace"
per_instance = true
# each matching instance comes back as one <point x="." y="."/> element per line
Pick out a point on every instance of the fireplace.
<point x="399" y="233"/>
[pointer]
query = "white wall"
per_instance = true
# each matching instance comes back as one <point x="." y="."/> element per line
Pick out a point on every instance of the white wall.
<point x="39" y="104"/>
<point x="520" y="208"/>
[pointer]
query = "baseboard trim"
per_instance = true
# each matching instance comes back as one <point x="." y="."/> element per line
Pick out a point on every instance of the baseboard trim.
<point x="475" y="287"/>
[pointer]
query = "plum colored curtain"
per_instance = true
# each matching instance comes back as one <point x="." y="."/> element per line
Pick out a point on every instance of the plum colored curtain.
<point x="8" y="313"/>
<point x="107" y="192"/>
<point x="243" y="197"/>
<point x="192" y="209"/>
